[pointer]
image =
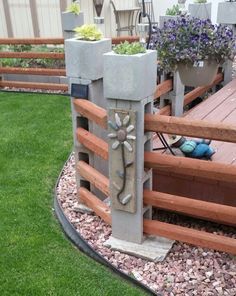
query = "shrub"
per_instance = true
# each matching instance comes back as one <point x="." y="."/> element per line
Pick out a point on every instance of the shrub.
<point x="174" y="10"/>
<point x="88" y="32"/>
<point x="74" y="7"/>
<point x="129" y="48"/>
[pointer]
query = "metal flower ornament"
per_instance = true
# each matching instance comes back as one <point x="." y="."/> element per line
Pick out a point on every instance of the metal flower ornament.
<point x="122" y="138"/>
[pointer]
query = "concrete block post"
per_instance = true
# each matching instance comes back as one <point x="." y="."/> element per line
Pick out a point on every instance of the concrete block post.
<point x="177" y="96"/>
<point x="70" y="21"/>
<point x="129" y="86"/>
<point x="200" y="10"/>
<point x="226" y="15"/>
<point x="84" y="68"/>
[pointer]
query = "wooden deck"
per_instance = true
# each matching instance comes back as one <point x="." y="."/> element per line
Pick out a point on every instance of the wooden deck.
<point x="220" y="107"/>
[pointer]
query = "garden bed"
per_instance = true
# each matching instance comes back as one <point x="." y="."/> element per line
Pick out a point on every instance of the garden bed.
<point x="186" y="270"/>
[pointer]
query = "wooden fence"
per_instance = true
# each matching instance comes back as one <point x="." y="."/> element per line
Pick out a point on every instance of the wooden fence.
<point x="200" y="209"/>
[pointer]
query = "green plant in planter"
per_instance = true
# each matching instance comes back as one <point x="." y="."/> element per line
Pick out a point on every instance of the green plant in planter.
<point x="129" y="48"/>
<point x="200" y="1"/>
<point x="74" y="7"/>
<point x="88" y="32"/>
<point x="174" y="10"/>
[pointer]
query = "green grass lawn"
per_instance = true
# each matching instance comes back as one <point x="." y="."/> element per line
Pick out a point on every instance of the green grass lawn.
<point x="35" y="256"/>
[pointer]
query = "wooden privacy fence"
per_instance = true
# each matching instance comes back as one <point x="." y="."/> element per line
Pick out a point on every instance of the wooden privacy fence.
<point x="200" y="209"/>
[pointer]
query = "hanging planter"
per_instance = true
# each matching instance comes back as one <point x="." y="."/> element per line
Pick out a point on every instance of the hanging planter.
<point x="188" y="41"/>
<point x="200" y="73"/>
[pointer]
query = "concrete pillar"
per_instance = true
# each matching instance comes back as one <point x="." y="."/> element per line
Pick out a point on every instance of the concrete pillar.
<point x="226" y="15"/>
<point x="84" y="68"/>
<point x="177" y="96"/>
<point x="129" y="85"/>
<point x="69" y="22"/>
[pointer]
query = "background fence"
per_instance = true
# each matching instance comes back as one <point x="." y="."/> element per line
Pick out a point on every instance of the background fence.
<point x="41" y="18"/>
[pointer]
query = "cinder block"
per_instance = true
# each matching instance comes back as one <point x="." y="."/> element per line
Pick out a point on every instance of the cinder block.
<point x="130" y="77"/>
<point x="70" y="20"/>
<point x="84" y="59"/>
<point x="226" y="13"/>
<point x="200" y="10"/>
<point x="166" y="18"/>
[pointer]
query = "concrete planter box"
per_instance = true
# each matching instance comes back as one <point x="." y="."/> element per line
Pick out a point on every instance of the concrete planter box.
<point x="84" y="59"/>
<point x="166" y="18"/>
<point x="200" y="10"/>
<point x="70" y="20"/>
<point x="130" y="77"/>
<point x="226" y="13"/>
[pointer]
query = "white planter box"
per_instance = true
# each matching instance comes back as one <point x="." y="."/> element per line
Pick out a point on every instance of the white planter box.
<point x="130" y="77"/>
<point x="226" y="13"/>
<point x="70" y="20"/>
<point x="166" y="18"/>
<point x="200" y="10"/>
<point x="84" y="59"/>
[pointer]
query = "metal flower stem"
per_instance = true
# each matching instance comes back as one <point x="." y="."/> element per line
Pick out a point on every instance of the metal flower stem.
<point x="124" y="173"/>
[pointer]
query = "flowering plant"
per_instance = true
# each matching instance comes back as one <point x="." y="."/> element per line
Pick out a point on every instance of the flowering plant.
<point x="190" y="40"/>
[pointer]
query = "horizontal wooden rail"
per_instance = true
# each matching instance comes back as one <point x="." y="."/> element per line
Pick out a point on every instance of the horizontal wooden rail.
<point x="167" y="163"/>
<point x="192" y="95"/>
<point x="190" y="207"/>
<point x="34" y="85"/>
<point x="165" y="124"/>
<point x="94" y="177"/>
<point x="199" y="91"/>
<point x="93" y="143"/>
<point x="95" y="204"/>
<point x="194" y="128"/>
<point x="170" y="231"/>
<point x="196" y="208"/>
<point x="32" y="55"/>
<point x="35" y="41"/>
<point x="32" y="71"/>
<point x="17" y="41"/>
<point x="118" y="40"/>
<point x="191" y="167"/>
<point x="190" y="236"/>
<point x="91" y="111"/>
<point x="163" y="88"/>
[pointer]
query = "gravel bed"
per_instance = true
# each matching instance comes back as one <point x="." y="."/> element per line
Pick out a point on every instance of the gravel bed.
<point x="187" y="270"/>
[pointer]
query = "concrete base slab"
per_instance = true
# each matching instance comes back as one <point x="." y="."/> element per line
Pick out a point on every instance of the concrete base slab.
<point x="153" y="248"/>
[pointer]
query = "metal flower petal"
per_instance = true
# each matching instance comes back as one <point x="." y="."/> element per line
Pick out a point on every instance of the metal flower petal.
<point x="126" y="120"/>
<point x="126" y="199"/>
<point x="113" y="125"/>
<point x="130" y="137"/>
<point x="115" y="145"/>
<point x="130" y="128"/>
<point x="118" y="120"/>
<point x="128" y="146"/>
<point x="112" y="136"/>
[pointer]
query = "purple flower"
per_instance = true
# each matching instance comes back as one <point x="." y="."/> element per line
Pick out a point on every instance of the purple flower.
<point x="190" y="39"/>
